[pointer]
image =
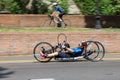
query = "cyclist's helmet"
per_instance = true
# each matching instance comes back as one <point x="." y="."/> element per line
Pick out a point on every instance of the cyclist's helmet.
<point x="84" y="43"/>
<point x="54" y="4"/>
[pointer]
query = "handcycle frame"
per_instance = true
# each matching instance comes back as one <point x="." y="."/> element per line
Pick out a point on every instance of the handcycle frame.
<point x="94" y="51"/>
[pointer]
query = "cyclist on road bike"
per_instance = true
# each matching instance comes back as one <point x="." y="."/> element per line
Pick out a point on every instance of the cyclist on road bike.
<point x="58" y="11"/>
<point x="70" y="52"/>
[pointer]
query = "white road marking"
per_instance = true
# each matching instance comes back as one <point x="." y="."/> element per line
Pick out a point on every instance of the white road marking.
<point x="44" y="79"/>
<point x="17" y="61"/>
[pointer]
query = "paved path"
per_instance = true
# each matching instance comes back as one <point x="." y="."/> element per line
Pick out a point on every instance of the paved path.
<point x="73" y="9"/>
<point x="83" y="70"/>
<point x="30" y="58"/>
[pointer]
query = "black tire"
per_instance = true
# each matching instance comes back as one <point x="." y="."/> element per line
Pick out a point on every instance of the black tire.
<point x="61" y="38"/>
<point x="44" y="47"/>
<point x="94" y="51"/>
<point x="66" y="23"/>
<point x="49" y="23"/>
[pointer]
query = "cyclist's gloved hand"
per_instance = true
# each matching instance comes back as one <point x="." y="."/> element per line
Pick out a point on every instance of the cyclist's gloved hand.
<point x="67" y="45"/>
<point x="63" y="46"/>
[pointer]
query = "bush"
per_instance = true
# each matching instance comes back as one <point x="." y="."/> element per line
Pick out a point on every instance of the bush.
<point x="106" y="7"/>
<point x="19" y="6"/>
<point x="39" y="7"/>
<point x="88" y="7"/>
<point x="116" y="8"/>
<point x="64" y="4"/>
<point x="11" y="6"/>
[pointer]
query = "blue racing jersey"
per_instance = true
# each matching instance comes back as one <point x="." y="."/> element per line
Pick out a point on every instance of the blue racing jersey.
<point x="77" y="51"/>
<point x="58" y="8"/>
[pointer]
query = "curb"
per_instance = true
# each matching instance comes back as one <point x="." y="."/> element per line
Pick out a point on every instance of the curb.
<point x="34" y="61"/>
<point x="30" y="58"/>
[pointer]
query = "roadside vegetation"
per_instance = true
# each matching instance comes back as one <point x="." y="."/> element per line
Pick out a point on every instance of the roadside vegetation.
<point x="53" y="29"/>
<point x="107" y="7"/>
<point x="87" y="7"/>
<point x="26" y="7"/>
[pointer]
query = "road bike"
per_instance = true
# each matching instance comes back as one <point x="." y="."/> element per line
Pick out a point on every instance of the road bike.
<point x="94" y="50"/>
<point x="52" y="22"/>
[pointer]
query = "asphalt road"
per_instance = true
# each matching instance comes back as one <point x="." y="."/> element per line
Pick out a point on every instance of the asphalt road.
<point x="82" y="70"/>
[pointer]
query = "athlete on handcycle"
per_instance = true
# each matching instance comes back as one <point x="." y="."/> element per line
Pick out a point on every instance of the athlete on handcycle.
<point x="90" y="50"/>
<point x="68" y="53"/>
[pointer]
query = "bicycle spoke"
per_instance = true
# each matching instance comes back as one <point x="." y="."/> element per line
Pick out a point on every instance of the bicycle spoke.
<point x="45" y="48"/>
<point x="95" y="51"/>
<point x="61" y="38"/>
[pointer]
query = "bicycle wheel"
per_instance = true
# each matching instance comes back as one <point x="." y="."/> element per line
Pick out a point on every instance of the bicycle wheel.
<point x="100" y="51"/>
<point x="49" y="23"/>
<point x="61" y="38"/>
<point x="45" y="47"/>
<point x="66" y="23"/>
<point x="94" y="51"/>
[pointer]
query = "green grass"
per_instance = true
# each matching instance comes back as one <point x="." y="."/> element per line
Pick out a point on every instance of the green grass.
<point x="50" y="29"/>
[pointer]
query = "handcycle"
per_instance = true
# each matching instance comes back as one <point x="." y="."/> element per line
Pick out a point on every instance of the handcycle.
<point x="94" y="50"/>
<point x="52" y="22"/>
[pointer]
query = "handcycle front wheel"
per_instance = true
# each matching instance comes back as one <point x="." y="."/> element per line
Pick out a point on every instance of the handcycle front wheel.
<point x="61" y="38"/>
<point x="44" y="47"/>
<point x="94" y="51"/>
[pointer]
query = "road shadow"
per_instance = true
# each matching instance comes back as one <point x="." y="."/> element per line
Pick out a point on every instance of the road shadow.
<point x="4" y="73"/>
<point x="52" y="61"/>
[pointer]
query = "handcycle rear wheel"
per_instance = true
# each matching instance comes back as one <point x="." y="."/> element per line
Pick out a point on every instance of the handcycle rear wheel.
<point x="46" y="48"/>
<point x="94" y="51"/>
